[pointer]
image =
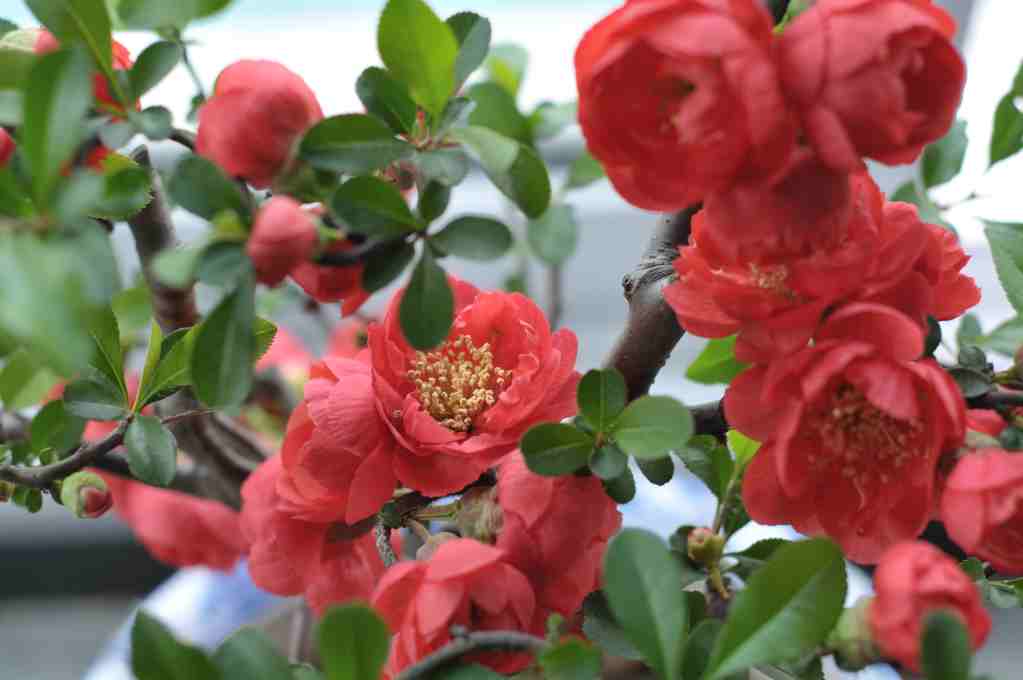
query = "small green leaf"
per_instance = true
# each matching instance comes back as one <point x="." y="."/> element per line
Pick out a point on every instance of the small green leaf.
<point x="600" y="626"/>
<point x="53" y="427"/>
<point x="108" y="357"/>
<point x="221" y="363"/>
<point x="1006" y="242"/>
<point x="513" y="168"/>
<point x="641" y="582"/>
<point x="608" y="462"/>
<point x="945" y="650"/>
<point x="420" y="50"/>
<point x="24" y="380"/>
<point x="507" y="66"/>
<point x="95" y="398"/>
<point x="602" y="396"/>
<point x="622" y="488"/>
<point x="223" y="264"/>
<point x="474" y="238"/>
<point x="572" y="659"/>
<point x="158" y="14"/>
<point x="446" y="166"/>
<point x="387" y="99"/>
<point x="427" y="305"/>
<point x="972" y="383"/>
<point x="250" y="655"/>
<point x="658" y="471"/>
<point x="153" y="65"/>
<point x="1005" y="339"/>
<point x="156" y="655"/>
<point x="943" y="159"/>
<point x="554" y="235"/>
<point x="433" y="201"/>
<point x="969" y="331"/>
<point x="383" y="267"/>
<point x="787" y="608"/>
<point x="473" y="35"/>
<point x="716" y="364"/>
<point x="553" y="449"/>
<point x="373" y="207"/>
<point x="202" y="188"/>
<point x="496" y="110"/>
<point x="354" y="643"/>
<point x="155" y="122"/>
<point x="153" y="354"/>
<point x="125" y="193"/>
<point x="1007" y="130"/>
<point x="152" y="451"/>
<point x="653" y="427"/>
<point x="548" y="120"/>
<point x="353" y="144"/>
<point x="743" y="447"/>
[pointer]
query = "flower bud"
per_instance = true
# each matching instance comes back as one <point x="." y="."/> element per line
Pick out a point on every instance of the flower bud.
<point x="6" y="147"/>
<point x="435" y="541"/>
<point x="851" y="640"/>
<point x="704" y="546"/>
<point x="23" y="40"/>
<point x="6" y="491"/>
<point x="283" y="237"/>
<point x="480" y="515"/>
<point x="86" y="495"/>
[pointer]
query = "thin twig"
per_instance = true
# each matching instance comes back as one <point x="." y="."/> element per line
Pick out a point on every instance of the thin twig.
<point x="185" y="415"/>
<point x="555" y="294"/>
<point x="301" y="627"/>
<point x="185" y="138"/>
<point x="487" y="641"/>
<point x="383" y="537"/>
<point x="41" y="477"/>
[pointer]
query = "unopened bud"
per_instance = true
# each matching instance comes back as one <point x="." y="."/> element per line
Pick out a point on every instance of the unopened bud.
<point x="6" y="491"/>
<point x="86" y="495"/>
<point x="851" y="640"/>
<point x="23" y="40"/>
<point x="704" y="546"/>
<point x="480" y="515"/>
<point x="435" y="541"/>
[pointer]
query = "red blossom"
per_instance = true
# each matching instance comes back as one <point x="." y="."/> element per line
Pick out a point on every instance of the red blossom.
<point x="258" y="110"/>
<point x="7" y="147"/>
<point x="348" y="338"/>
<point x="287" y="354"/>
<point x="986" y="421"/>
<point x="333" y="284"/>
<point x="283" y="237"/>
<point x="982" y="507"/>
<point x="874" y="78"/>
<point x="555" y="531"/>
<point x="677" y="98"/>
<point x="852" y="429"/>
<point x="913" y="580"/>
<point x="372" y="421"/>
<point x="120" y="60"/>
<point x="463" y="583"/>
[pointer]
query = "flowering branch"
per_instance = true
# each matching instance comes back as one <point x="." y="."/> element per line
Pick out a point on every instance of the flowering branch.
<point x="87" y="454"/>
<point x="469" y="643"/>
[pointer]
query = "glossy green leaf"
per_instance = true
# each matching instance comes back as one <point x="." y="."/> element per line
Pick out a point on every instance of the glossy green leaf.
<point x="608" y="462"/>
<point x="156" y="14"/>
<point x="125" y="193"/>
<point x="152" y="451"/>
<point x="506" y="66"/>
<point x="352" y="143"/>
<point x="969" y="331"/>
<point x="24" y="380"/>
<point x="84" y="21"/>
<point x="446" y="166"/>
<point x="787" y="608"/>
<point x="1007" y="129"/>
<point x="554" y="235"/>
<point x="945" y="650"/>
<point x="474" y="238"/>
<point x="157" y="655"/>
<point x="1004" y="339"/>
<point x="1006" y="241"/>
<point x="354" y="643"/>
<point x="943" y="159"/>
<point x="427" y="305"/>
<point x="698" y="648"/>
<point x="250" y="655"/>
<point x="658" y="471"/>
<point x="153" y="65"/>
<point x="420" y="50"/>
<point x="154" y="352"/>
<point x="716" y="364"/>
<point x="553" y="449"/>
<point x="641" y="582"/>
<point x="387" y="99"/>
<point x="155" y="122"/>
<point x="621" y="489"/>
<point x="756" y="556"/>
<point x="223" y="263"/>
<point x="373" y="207"/>
<point x="496" y="109"/>
<point x="221" y="362"/>
<point x="473" y="35"/>
<point x="572" y="659"/>
<point x="653" y="427"/>
<point x="433" y="201"/>
<point x="599" y="625"/>
<point x="108" y="357"/>
<point x="54" y="428"/>
<point x="200" y="187"/>
<point x="384" y="267"/>
<point x="601" y="396"/>
<point x="513" y="168"/>
<point x="742" y="447"/>
<point x="95" y="398"/>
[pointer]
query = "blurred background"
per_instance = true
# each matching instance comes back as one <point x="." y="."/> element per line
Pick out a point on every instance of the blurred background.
<point x="66" y="585"/>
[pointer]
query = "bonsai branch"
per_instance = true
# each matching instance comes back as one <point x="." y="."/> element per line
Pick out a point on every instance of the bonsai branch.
<point x="41" y="477"/>
<point x="470" y="643"/>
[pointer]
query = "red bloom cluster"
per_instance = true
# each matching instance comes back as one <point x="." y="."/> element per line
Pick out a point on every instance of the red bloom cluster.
<point x="120" y="60"/>
<point x="7" y="147"/>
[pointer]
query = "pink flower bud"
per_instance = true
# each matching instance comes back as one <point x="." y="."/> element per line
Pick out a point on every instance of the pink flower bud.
<point x="86" y="495"/>
<point x="705" y="546"/>
<point x="6" y="147"/>
<point x="283" y="237"/>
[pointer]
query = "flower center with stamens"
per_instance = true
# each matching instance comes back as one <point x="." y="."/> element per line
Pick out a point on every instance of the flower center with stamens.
<point x="868" y="444"/>
<point x="457" y="382"/>
<point x="771" y="278"/>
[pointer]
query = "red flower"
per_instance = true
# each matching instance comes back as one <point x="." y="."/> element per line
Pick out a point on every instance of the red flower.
<point x="287" y="354"/>
<point x="982" y="507"/>
<point x="372" y="421"/>
<point x="874" y="78"/>
<point x="986" y="421"/>
<point x="120" y="60"/>
<point x="180" y="530"/>
<point x="7" y="147"/>
<point x="348" y="338"/>
<point x="333" y="284"/>
<point x="679" y="97"/>
<point x="298" y="543"/>
<point x="555" y="531"/>
<point x="249" y="127"/>
<point x="852" y="429"/>
<point x="283" y="237"/>
<point x="913" y="580"/>
<point x="464" y="583"/>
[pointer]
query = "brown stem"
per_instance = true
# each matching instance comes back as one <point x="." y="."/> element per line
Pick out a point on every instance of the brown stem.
<point x="383" y="542"/>
<point x="43" y="476"/>
<point x="710" y="419"/>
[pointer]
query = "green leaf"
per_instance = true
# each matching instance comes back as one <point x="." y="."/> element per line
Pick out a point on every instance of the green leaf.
<point x="474" y="238"/>
<point x="1007" y="131"/>
<point x="969" y="331"/>
<point x="658" y="471"/>
<point x="157" y="14"/>
<point x="1006" y="242"/>
<point x="125" y="193"/>
<point x="152" y="451"/>
<point x="553" y="449"/>
<point x="496" y="109"/>
<point x="354" y="643"/>
<point x="95" y="398"/>
<point x="153" y="354"/>
<point x="221" y="363"/>
<point x="554" y="235"/>
<point x="653" y="427"/>
<point x="972" y="383"/>
<point x="175" y="268"/>
<point x="433" y="201"/>
<point x="929" y="212"/>
<point x="600" y="626"/>
<point x="698" y="648"/>
<point x="387" y="99"/>
<point x="513" y="168"/>
<point x="622" y="488"/>
<point x="15" y="66"/>
<point x="573" y="659"/>
<point x="945" y="650"/>
<point x="446" y="166"/>
<point x="427" y="305"/>
<point x="373" y="207"/>
<point x="787" y="608"/>
<point x="153" y="65"/>
<point x="84" y="21"/>
<point x="743" y="447"/>
<point x="57" y="94"/>
<point x="352" y="143"/>
<point x="641" y="582"/>
<point x="943" y="159"/>
<point x="108" y="356"/>
<point x="420" y="50"/>
<point x="223" y="263"/>
<point x="608" y="462"/>
<point x="53" y="427"/>
<point x="384" y="267"/>
<point x="602" y="395"/>
<point x="473" y="35"/>
<point x="155" y="122"/>
<point x="24" y="380"/>
<point x="716" y="364"/>
<point x="506" y="66"/>
<point x="202" y="188"/>
<point x="250" y="655"/>
<point x="156" y="655"/>
<point x="548" y="120"/>
<point x="1005" y="339"/>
